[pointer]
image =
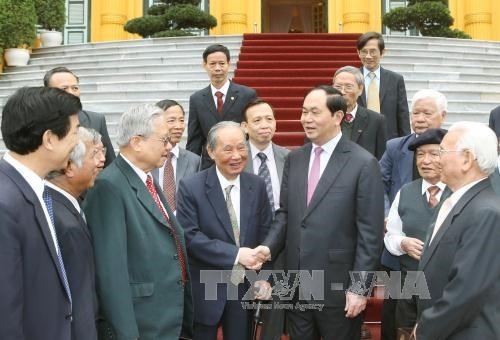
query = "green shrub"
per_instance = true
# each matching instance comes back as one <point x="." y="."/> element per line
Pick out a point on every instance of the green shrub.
<point x="146" y="26"/>
<point x="17" y="23"/>
<point x="51" y="14"/>
<point x="171" y="33"/>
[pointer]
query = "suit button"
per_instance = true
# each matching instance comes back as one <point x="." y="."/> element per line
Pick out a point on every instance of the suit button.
<point x="69" y="317"/>
<point x="176" y="256"/>
<point x="179" y="282"/>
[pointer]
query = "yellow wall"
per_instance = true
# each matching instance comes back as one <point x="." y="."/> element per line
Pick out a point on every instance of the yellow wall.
<point x="236" y="16"/>
<point x="109" y="16"/>
<point x="354" y="16"/>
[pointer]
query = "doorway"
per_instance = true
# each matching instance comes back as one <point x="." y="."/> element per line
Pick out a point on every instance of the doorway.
<point x="294" y="16"/>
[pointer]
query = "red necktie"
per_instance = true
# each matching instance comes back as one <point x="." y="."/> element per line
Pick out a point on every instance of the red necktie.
<point x="220" y="103"/>
<point x="348" y="118"/>
<point x="154" y="194"/>
<point x="433" y="191"/>
<point x="169" y="182"/>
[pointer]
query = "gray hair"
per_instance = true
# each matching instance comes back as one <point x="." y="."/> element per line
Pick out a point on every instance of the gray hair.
<point x="77" y="155"/>
<point x="212" y="134"/>
<point x="137" y="121"/>
<point x="358" y="76"/>
<point x="438" y="98"/>
<point x="481" y="141"/>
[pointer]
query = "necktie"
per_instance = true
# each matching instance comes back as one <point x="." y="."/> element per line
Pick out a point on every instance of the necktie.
<point x="169" y="182"/>
<point x="373" y="95"/>
<point x="313" y="180"/>
<point x="433" y="191"/>
<point x="264" y="173"/>
<point x="348" y="118"/>
<point x="220" y="103"/>
<point x="180" y="254"/>
<point x="238" y="272"/>
<point x="47" y="199"/>
<point x="443" y="213"/>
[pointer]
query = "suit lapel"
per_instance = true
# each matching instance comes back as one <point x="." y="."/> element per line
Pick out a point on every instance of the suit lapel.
<point x="384" y="84"/>
<point x="217" y="201"/>
<point x="84" y="119"/>
<point x="359" y="124"/>
<point x="209" y="102"/>
<point x="279" y="159"/>
<point x="362" y="98"/>
<point x="231" y="97"/>
<point x="56" y="196"/>
<point x="405" y="171"/>
<point x="247" y="200"/>
<point x="180" y="168"/>
<point x="249" y="165"/>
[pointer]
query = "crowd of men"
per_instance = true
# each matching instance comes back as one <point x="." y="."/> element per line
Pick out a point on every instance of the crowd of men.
<point x="161" y="242"/>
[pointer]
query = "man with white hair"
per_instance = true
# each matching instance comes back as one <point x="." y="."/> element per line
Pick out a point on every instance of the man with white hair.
<point x="140" y="256"/>
<point x="460" y="259"/>
<point x="65" y="187"/>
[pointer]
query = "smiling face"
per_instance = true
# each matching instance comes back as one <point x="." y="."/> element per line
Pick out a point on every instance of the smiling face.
<point x="260" y="125"/>
<point x="174" y="117"/>
<point x="230" y="153"/>
<point x="370" y="55"/>
<point x="217" y="67"/>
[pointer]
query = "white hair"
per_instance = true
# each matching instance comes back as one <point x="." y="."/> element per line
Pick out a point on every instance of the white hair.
<point x="481" y="141"/>
<point x="436" y="96"/>
<point x="214" y="131"/>
<point x="137" y="121"/>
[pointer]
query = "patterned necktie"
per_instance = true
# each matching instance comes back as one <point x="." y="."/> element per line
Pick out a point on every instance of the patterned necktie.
<point x="264" y="173"/>
<point x="180" y="254"/>
<point x="238" y="272"/>
<point x="169" y="182"/>
<point x="220" y="103"/>
<point x="373" y="94"/>
<point x="47" y="199"/>
<point x="433" y="191"/>
<point x="313" y="180"/>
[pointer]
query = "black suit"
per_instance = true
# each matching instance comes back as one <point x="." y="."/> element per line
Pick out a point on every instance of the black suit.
<point x="203" y="115"/>
<point x="393" y="103"/>
<point x="368" y="130"/>
<point x="33" y="301"/>
<point x="462" y="270"/>
<point x="97" y="121"/>
<point x="494" y="121"/>
<point x="338" y="232"/>
<point x="78" y="254"/>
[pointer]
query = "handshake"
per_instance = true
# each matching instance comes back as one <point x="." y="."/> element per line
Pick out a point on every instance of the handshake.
<point x="253" y="259"/>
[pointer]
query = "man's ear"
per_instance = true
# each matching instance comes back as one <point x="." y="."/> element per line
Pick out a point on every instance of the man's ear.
<point x="48" y="139"/>
<point x="210" y="153"/>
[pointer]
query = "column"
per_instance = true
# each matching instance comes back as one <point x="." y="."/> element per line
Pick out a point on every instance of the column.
<point x="356" y="16"/>
<point x="478" y="19"/>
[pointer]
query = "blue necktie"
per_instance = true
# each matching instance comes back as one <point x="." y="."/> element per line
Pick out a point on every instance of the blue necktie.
<point x="47" y="199"/>
<point x="264" y="173"/>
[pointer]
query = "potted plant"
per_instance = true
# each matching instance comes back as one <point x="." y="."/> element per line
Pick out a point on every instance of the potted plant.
<point x="51" y="16"/>
<point x="17" y="30"/>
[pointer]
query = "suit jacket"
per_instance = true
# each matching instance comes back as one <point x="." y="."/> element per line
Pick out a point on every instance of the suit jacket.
<point x="203" y="115"/>
<point x="202" y="212"/>
<point x="462" y="269"/>
<point x="494" y="121"/>
<point x="342" y="227"/>
<point x="495" y="181"/>
<point x="33" y="301"/>
<point x="368" y="130"/>
<point x="97" y="121"/>
<point x="138" y="274"/>
<point x="280" y="154"/>
<point x="393" y="103"/>
<point x="75" y="243"/>
<point x="188" y="164"/>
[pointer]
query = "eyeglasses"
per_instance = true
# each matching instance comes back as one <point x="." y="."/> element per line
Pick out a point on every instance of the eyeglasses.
<point x="442" y="151"/>
<point x="99" y="152"/>
<point x="432" y="153"/>
<point x="364" y="53"/>
<point x="344" y="88"/>
<point x="165" y="140"/>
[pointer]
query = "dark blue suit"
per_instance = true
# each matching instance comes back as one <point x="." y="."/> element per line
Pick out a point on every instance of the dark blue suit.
<point x="33" y="301"/>
<point x="202" y="211"/>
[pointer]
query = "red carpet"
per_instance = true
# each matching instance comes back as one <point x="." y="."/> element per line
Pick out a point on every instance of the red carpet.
<point x="283" y="67"/>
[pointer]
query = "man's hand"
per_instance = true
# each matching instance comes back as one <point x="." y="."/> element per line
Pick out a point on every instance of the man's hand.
<point x="263" y="290"/>
<point x="414" y="332"/>
<point x="254" y="258"/>
<point x="413" y="247"/>
<point x="354" y="304"/>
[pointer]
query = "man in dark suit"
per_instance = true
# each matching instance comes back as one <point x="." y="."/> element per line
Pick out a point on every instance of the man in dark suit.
<point x="384" y="90"/>
<point x="62" y="78"/>
<point x="66" y="186"/>
<point x="224" y="212"/>
<point x="494" y="120"/>
<point x="398" y="166"/>
<point x="221" y="100"/>
<point x="259" y="124"/>
<point x="460" y="261"/>
<point x="363" y="126"/>
<point x="330" y="219"/>
<point x="142" y="278"/>
<point x="39" y="127"/>
<point x="181" y="162"/>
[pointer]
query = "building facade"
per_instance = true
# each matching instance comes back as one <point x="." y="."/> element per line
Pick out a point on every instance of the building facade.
<point x="103" y="20"/>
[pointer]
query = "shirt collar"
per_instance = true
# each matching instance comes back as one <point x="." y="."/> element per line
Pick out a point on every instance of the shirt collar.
<point x="426" y="185"/>
<point x="329" y="147"/>
<point x="175" y="151"/>
<point x="457" y="195"/>
<point x="353" y="112"/>
<point x="367" y="71"/>
<point x="224" y="182"/>
<point x="142" y="175"/>
<point x="223" y="89"/>
<point x="66" y="194"/>
<point x="268" y="151"/>
<point x="34" y="181"/>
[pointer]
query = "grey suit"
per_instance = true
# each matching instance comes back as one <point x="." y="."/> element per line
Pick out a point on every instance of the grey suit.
<point x="280" y="154"/>
<point x="393" y="103"/>
<point x="188" y="164"/>
<point x="203" y="115"/>
<point x="97" y="121"/>
<point x="462" y="269"/>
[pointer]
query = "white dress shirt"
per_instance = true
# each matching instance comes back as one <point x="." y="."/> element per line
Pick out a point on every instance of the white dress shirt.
<point x="328" y="149"/>
<point x="273" y="171"/>
<point x="223" y="89"/>
<point x="395" y="234"/>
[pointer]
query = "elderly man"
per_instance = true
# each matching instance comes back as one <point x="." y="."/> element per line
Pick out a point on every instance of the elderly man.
<point x="412" y="213"/>
<point x="398" y="166"/>
<point x="225" y="212"/>
<point x="39" y="127"/>
<point x="460" y="261"/>
<point x="363" y="126"/>
<point x="142" y="278"/>
<point x="66" y="186"/>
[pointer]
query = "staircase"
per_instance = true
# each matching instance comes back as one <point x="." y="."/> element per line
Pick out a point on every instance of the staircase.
<point x="283" y="67"/>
